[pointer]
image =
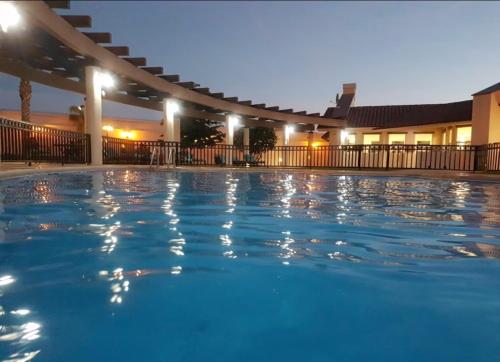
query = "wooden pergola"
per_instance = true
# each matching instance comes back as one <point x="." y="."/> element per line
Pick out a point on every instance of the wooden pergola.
<point x="53" y="50"/>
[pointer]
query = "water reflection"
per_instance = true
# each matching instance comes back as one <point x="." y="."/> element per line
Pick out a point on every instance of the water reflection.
<point x="231" y="184"/>
<point x="178" y="242"/>
<point x="127" y="226"/>
<point x="17" y="331"/>
<point x="484" y="250"/>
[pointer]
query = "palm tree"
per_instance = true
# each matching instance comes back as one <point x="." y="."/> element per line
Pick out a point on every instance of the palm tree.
<point x="77" y="114"/>
<point x="25" y="95"/>
<point x="27" y="139"/>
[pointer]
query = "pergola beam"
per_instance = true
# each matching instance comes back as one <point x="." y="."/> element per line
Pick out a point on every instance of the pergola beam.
<point x="139" y="62"/>
<point x="153" y="70"/>
<point x="189" y="85"/>
<point x="22" y="70"/>
<point x="118" y="50"/>
<point x="202" y="90"/>
<point x="78" y="21"/>
<point x="98" y="38"/>
<point x="39" y="14"/>
<point x="170" y="77"/>
<point x="58" y="4"/>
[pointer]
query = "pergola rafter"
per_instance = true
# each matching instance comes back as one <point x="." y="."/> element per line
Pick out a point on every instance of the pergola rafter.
<point x="65" y="51"/>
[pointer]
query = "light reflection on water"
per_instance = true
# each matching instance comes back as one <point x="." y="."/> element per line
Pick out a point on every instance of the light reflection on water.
<point x="116" y="229"/>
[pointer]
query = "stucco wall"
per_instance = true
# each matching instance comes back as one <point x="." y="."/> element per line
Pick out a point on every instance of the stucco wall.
<point x="139" y="129"/>
<point x="486" y="118"/>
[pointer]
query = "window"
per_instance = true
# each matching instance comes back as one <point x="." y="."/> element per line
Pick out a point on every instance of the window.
<point x="371" y="138"/>
<point x="464" y="135"/>
<point x="351" y="139"/>
<point x="423" y="138"/>
<point x="397" y="138"/>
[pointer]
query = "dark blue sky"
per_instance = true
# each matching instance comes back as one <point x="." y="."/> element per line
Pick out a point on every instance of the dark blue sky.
<point x="297" y="54"/>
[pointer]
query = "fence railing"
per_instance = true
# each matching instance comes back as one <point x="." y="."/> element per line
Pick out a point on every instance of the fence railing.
<point x="435" y="157"/>
<point x="491" y="157"/>
<point x="22" y="141"/>
<point x="123" y="151"/>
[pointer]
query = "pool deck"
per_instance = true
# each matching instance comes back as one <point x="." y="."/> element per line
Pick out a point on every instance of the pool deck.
<point x="14" y="169"/>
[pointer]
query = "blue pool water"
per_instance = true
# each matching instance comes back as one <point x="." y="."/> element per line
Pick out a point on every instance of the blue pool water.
<point x="245" y="266"/>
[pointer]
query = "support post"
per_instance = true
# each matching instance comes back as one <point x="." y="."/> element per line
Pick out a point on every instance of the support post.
<point x="231" y="123"/>
<point x="93" y="113"/>
<point x="246" y="141"/>
<point x="171" y="120"/>
<point x="287" y="133"/>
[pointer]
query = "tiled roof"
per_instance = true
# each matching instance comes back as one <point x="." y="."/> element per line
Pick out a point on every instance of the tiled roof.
<point x="404" y="115"/>
<point x="343" y="105"/>
<point x="493" y="88"/>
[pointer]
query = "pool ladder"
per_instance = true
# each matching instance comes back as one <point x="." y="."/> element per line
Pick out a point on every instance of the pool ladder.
<point x="169" y="160"/>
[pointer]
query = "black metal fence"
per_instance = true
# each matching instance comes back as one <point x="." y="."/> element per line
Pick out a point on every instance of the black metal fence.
<point x="22" y="141"/>
<point x="491" y="157"/>
<point x="434" y="157"/>
<point x="123" y="151"/>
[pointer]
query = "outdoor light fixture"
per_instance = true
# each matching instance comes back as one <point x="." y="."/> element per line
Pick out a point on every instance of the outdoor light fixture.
<point x="106" y="80"/>
<point x="234" y="121"/>
<point x="173" y="106"/>
<point x="9" y="16"/>
<point x="108" y="128"/>
<point x="289" y="130"/>
<point x="344" y="136"/>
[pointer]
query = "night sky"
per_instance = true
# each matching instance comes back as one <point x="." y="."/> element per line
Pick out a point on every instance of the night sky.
<point x="297" y="54"/>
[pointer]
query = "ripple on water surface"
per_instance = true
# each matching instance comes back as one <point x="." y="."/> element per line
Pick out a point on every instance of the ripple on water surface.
<point x="223" y="266"/>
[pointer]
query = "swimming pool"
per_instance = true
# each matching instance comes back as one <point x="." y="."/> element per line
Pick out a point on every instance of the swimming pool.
<point x="246" y="266"/>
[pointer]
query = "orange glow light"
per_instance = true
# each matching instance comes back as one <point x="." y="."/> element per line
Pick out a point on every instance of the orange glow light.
<point x="127" y="135"/>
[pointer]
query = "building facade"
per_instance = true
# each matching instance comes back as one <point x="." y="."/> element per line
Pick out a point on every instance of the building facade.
<point x="475" y="121"/>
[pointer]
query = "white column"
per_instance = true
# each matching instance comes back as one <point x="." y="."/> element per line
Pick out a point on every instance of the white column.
<point x="93" y="112"/>
<point x="171" y="120"/>
<point x="410" y="138"/>
<point x="246" y="140"/>
<point x="287" y="133"/>
<point x="288" y="130"/>
<point x="177" y="128"/>
<point x="231" y="123"/>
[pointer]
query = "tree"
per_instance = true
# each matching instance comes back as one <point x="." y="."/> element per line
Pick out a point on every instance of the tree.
<point x="25" y="95"/>
<point x="262" y="139"/>
<point x="200" y="132"/>
<point x="77" y="114"/>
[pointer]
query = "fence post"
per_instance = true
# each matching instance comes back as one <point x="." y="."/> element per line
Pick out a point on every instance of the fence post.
<point x="88" y="153"/>
<point x="387" y="157"/>
<point x="360" y="148"/>
<point x="480" y="160"/>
